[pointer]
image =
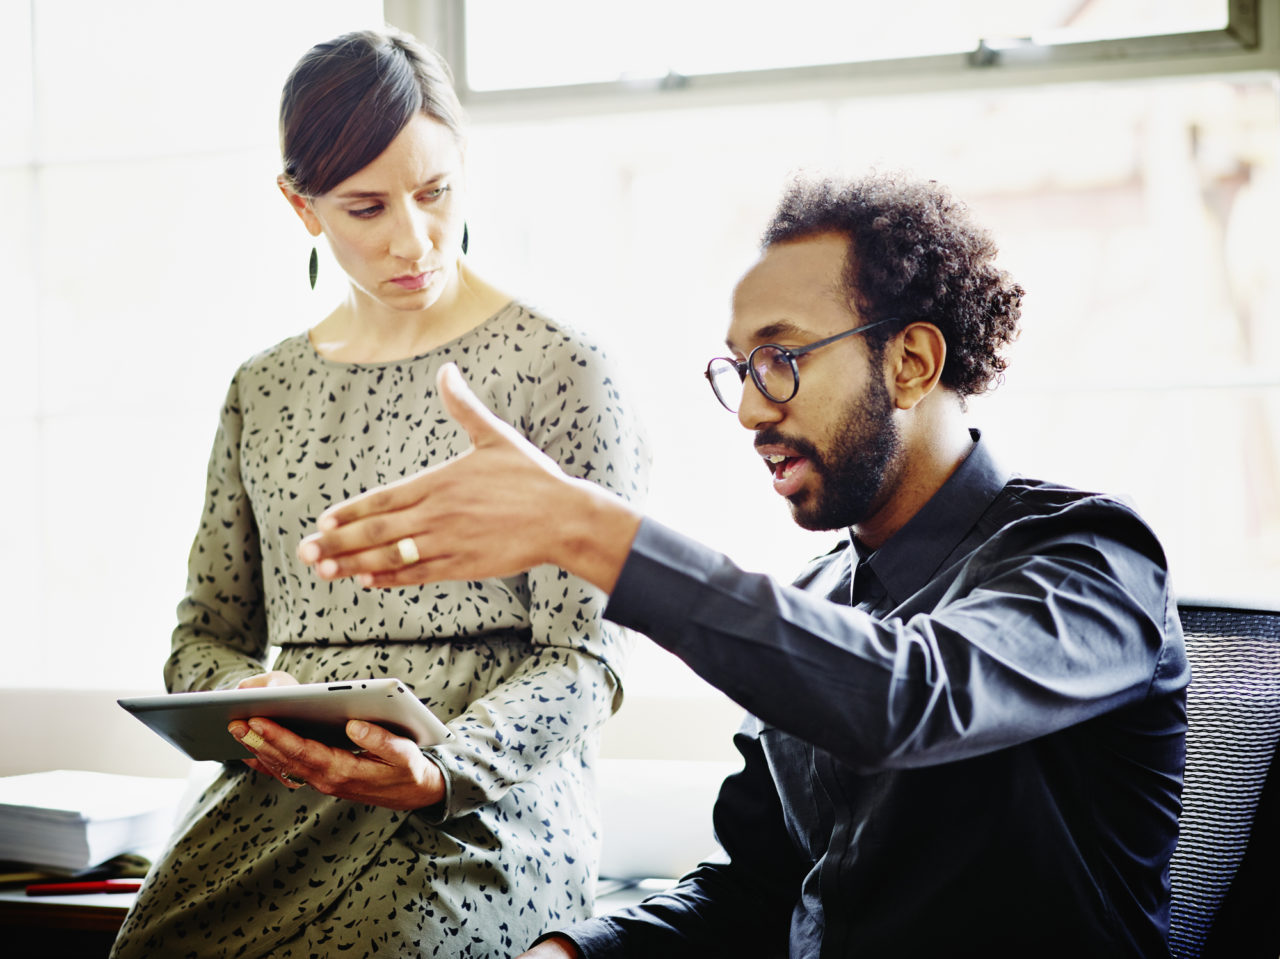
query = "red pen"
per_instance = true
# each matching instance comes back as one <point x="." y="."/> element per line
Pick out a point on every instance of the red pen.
<point x="77" y="888"/>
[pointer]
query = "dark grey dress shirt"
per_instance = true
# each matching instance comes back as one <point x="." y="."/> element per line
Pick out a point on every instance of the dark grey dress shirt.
<point x="978" y="754"/>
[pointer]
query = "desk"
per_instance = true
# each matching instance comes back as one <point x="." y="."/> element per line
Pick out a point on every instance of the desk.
<point x="84" y="927"/>
<point x="61" y="927"/>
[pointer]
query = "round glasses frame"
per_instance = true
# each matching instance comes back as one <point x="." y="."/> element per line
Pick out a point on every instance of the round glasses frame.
<point x="769" y="360"/>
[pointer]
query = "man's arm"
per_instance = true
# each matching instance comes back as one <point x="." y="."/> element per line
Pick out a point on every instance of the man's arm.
<point x="1062" y="624"/>
<point x="1065" y="620"/>
<point x="740" y="903"/>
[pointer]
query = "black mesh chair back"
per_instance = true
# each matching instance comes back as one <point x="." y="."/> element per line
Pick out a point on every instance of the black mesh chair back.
<point x="1233" y="727"/>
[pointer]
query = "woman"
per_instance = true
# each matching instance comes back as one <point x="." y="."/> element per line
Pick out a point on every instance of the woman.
<point x="466" y="849"/>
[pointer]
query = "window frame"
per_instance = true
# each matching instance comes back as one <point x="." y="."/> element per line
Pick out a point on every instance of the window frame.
<point x="1249" y="42"/>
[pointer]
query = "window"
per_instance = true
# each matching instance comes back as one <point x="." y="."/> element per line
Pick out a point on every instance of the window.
<point x="511" y="45"/>
<point x="1133" y="212"/>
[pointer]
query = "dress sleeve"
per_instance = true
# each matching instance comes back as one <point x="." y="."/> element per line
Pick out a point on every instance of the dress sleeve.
<point x="740" y="903"/>
<point x="221" y="636"/>
<point x="570" y="682"/>
<point x="1052" y="622"/>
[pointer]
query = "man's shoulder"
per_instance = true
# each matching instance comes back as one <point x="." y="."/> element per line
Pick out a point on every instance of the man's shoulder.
<point x="1040" y="508"/>
<point x="824" y="566"/>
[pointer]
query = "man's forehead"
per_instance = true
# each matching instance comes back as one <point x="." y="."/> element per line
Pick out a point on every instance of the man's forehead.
<point x="795" y="288"/>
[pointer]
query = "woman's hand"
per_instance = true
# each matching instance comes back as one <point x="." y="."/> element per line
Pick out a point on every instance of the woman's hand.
<point x="498" y="509"/>
<point x="384" y="770"/>
<point x="277" y="677"/>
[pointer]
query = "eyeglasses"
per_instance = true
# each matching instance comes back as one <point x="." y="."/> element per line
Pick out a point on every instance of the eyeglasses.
<point x="773" y="369"/>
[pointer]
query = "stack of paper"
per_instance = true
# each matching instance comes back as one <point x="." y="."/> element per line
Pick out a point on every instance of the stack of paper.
<point x="71" y="819"/>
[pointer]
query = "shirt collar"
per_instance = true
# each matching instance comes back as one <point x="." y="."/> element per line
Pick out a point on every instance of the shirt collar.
<point x="911" y="557"/>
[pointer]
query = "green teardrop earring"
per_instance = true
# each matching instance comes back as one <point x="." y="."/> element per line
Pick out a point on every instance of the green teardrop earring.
<point x="313" y="267"/>
<point x="466" y="238"/>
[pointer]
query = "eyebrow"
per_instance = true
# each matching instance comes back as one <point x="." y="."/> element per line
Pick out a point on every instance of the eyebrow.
<point x="377" y="194"/>
<point x="776" y="330"/>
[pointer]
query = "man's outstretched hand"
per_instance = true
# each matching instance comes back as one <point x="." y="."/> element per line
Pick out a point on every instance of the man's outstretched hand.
<point x="498" y="509"/>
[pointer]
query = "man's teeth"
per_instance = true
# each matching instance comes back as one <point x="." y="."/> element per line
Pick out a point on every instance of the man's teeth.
<point x="775" y="458"/>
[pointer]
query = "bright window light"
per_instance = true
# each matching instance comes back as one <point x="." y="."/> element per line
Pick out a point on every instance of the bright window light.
<point x="514" y="44"/>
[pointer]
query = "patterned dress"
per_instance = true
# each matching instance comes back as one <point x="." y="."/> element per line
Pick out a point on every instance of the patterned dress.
<point x="524" y="670"/>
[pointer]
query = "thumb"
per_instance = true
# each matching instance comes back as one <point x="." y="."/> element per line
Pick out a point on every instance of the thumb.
<point x="465" y="407"/>
<point x="379" y="742"/>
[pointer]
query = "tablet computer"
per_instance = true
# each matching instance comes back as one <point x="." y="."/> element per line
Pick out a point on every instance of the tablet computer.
<point x="197" y="722"/>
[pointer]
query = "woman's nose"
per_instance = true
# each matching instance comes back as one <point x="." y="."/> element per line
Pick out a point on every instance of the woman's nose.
<point x="411" y="239"/>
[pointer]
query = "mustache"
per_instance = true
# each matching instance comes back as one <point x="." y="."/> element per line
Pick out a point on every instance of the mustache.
<point x="772" y="436"/>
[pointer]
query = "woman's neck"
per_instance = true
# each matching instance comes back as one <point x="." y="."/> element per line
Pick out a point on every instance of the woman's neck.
<point x="362" y="330"/>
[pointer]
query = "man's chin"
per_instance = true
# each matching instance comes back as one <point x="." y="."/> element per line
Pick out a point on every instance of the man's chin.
<point x="806" y="516"/>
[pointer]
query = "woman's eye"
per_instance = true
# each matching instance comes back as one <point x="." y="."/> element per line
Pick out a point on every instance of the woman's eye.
<point x="437" y="192"/>
<point x="365" y="212"/>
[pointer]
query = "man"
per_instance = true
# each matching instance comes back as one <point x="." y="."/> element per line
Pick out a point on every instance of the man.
<point x="966" y="724"/>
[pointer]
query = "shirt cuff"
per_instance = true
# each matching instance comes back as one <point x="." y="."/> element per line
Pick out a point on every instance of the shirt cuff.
<point x="595" y="938"/>
<point x="438" y="813"/>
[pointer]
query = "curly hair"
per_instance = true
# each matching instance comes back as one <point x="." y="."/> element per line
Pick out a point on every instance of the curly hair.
<point x="914" y="254"/>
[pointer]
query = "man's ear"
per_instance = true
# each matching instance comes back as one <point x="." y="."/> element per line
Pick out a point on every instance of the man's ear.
<point x="918" y="354"/>
<point x="301" y="206"/>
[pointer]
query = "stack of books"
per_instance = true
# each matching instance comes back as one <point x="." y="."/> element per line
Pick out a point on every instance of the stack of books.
<point x="69" y="820"/>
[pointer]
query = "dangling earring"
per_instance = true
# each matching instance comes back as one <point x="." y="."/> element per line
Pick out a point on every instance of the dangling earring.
<point x="313" y="267"/>
<point x="466" y="238"/>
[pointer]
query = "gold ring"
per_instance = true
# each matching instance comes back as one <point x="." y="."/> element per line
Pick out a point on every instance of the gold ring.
<point x="253" y="740"/>
<point x="408" y="551"/>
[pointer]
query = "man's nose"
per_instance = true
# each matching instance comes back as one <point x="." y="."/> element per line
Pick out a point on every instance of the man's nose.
<point x="756" y="410"/>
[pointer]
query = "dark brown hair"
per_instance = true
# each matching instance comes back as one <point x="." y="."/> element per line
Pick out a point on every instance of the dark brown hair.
<point x="914" y="254"/>
<point x="347" y="99"/>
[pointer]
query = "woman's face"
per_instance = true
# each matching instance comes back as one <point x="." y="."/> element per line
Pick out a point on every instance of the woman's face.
<point x="396" y="226"/>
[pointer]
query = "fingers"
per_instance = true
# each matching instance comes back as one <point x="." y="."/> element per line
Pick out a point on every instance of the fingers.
<point x="384" y="769"/>
<point x="472" y="415"/>
<point x="277" y="677"/>
<point x="388" y="499"/>
<point x="465" y="407"/>
<point x="378" y="536"/>
<point x="453" y="520"/>
<point x="381" y="744"/>
<point x="291" y="759"/>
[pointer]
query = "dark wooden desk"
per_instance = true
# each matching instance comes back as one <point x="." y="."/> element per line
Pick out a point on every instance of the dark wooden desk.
<point x="84" y="927"/>
<point x="61" y="927"/>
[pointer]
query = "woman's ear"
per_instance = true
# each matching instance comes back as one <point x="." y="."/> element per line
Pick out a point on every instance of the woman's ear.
<point x="302" y="206"/>
<point x="920" y="351"/>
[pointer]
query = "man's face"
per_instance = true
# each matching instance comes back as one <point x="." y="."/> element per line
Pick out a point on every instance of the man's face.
<point x="830" y="448"/>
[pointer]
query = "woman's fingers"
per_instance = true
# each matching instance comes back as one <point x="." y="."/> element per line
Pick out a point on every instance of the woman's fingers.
<point x="293" y="759"/>
<point x="389" y="770"/>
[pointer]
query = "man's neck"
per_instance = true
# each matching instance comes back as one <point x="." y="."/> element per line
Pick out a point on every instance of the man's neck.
<point x="933" y="448"/>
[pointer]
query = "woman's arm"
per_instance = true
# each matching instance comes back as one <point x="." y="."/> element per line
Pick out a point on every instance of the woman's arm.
<point x="221" y="636"/>
<point x="568" y="684"/>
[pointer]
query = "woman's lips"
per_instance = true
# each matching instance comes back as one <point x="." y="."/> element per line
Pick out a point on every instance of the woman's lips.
<point x="415" y="281"/>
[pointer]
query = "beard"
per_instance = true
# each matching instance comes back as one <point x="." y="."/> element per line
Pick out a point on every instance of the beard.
<point x="853" y="469"/>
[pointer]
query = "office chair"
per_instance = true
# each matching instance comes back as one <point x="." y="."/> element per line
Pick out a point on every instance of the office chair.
<point x="1233" y="728"/>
